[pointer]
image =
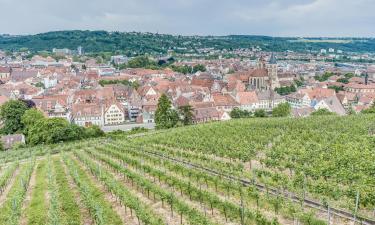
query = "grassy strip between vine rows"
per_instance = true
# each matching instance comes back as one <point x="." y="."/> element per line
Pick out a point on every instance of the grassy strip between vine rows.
<point x="230" y="210"/>
<point x="142" y="212"/>
<point x="54" y="202"/>
<point x="191" y="214"/>
<point x="69" y="210"/>
<point x="7" y="175"/>
<point x="11" y="209"/>
<point x="99" y="208"/>
<point x="229" y="187"/>
<point x="36" y="210"/>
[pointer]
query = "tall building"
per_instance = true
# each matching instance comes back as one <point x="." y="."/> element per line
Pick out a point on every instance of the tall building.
<point x="80" y="50"/>
<point x="272" y="72"/>
<point x="264" y="76"/>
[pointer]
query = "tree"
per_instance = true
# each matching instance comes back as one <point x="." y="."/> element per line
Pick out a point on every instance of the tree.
<point x="30" y="118"/>
<point x="322" y="112"/>
<point x="282" y="110"/>
<point x="336" y="88"/>
<point x="186" y="113"/>
<point x="324" y="77"/>
<point x="54" y="130"/>
<point x="199" y="67"/>
<point x="343" y="80"/>
<point x="11" y="113"/>
<point x="260" y="113"/>
<point x="237" y="113"/>
<point x="93" y="131"/>
<point x="165" y="116"/>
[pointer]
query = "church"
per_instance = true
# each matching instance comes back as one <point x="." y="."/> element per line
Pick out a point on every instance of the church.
<point x="264" y="76"/>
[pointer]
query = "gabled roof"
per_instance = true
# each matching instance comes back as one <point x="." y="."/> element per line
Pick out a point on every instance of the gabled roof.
<point x="86" y="110"/>
<point x="334" y="105"/>
<point x="224" y="100"/>
<point x="246" y="98"/>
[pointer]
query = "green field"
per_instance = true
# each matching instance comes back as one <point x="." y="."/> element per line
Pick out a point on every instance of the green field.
<point x="197" y="174"/>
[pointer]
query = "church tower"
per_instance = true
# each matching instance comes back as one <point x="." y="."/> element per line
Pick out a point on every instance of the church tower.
<point x="261" y="63"/>
<point x="272" y="72"/>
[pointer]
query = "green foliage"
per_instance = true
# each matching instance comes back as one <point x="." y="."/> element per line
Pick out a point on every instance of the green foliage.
<point x="324" y="77"/>
<point x="11" y="113"/>
<point x="260" y="113"/>
<point x="56" y="130"/>
<point x="141" y="62"/>
<point x="186" y="112"/>
<point x="336" y="88"/>
<point x="40" y="85"/>
<point x="185" y="69"/>
<point x="299" y="83"/>
<point x="36" y="211"/>
<point x="30" y="118"/>
<point x="369" y="110"/>
<point x="349" y="75"/>
<point x="200" y="68"/>
<point x="322" y="112"/>
<point x="93" y="131"/>
<point x="70" y="212"/>
<point x="237" y="113"/>
<point x="165" y="116"/>
<point x="2" y="146"/>
<point x="343" y="80"/>
<point x="134" y="84"/>
<point x="286" y="90"/>
<point x="282" y="110"/>
<point x="134" y="43"/>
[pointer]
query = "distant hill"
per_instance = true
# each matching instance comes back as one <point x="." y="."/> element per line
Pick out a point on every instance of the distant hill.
<point x="103" y="41"/>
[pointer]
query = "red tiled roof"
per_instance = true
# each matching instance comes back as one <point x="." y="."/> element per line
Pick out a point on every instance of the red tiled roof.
<point x="224" y="100"/>
<point x="245" y="98"/>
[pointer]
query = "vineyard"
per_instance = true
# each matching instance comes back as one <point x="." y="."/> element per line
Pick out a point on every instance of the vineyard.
<point x="257" y="171"/>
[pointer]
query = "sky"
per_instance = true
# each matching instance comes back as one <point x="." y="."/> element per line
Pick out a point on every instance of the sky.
<point x="307" y="18"/>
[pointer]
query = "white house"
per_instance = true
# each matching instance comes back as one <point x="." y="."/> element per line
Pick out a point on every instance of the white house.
<point x="49" y="82"/>
<point x="114" y="114"/>
<point x="86" y="115"/>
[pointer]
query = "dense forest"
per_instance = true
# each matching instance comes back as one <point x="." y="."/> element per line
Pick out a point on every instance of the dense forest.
<point x="141" y="43"/>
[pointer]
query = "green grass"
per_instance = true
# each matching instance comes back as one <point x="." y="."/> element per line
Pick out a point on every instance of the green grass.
<point x="36" y="211"/>
<point x="70" y="213"/>
<point x="94" y="198"/>
<point x="11" y="209"/>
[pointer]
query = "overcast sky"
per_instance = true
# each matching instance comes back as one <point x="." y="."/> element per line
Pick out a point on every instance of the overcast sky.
<point x="202" y="17"/>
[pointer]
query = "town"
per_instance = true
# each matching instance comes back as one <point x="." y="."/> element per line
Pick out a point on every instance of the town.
<point x="96" y="92"/>
<point x="184" y="112"/>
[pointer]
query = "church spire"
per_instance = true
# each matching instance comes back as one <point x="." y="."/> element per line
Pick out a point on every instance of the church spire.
<point x="272" y="59"/>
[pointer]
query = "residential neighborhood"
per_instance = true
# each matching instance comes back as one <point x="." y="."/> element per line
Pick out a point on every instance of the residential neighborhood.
<point x="92" y="93"/>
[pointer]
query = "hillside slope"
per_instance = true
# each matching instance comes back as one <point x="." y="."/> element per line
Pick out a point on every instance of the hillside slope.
<point x="251" y="171"/>
<point x="130" y="42"/>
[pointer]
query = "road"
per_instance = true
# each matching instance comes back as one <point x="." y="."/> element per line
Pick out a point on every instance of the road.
<point x="126" y="127"/>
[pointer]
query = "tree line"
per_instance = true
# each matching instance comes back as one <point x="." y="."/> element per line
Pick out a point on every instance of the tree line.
<point x="18" y="117"/>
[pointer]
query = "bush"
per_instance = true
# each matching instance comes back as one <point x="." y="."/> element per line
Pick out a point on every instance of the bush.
<point x="237" y="113"/>
<point x="322" y="112"/>
<point x="282" y="110"/>
<point x="260" y="113"/>
<point x="93" y="131"/>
